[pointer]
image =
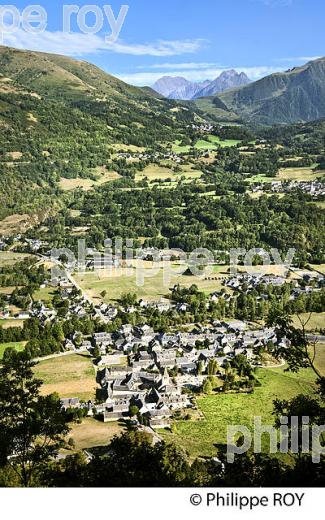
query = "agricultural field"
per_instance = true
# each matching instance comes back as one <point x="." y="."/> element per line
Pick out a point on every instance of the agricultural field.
<point x="319" y="268"/>
<point x="88" y="184"/>
<point x="70" y="376"/>
<point x="289" y="174"/>
<point x="154" y="287"/>
<point x="154" y="172"/>
<point x="15" y="224"/>
<point x="46" y="294"/>
<point x="19" y="346"/>
<point x="11" y="258"/>
<point x="92" y="433"/>
<point x="200" y="437"/>
<point x="298" y="174"/>
<point x="223" y="143"/>
<point x="211" y="142"/>
<point x="6" y="324"/>
<point x="313" y="322"/>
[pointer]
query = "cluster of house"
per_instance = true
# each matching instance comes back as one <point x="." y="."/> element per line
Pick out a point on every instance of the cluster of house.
<point x="315" y="188"/>
<point x="245" y="282"/>
<point x="203" y="127"/>
<point x="6" y="314"/>
<point x="151" y="156"/>
<point x="306" y="282"/>
<point x="134" y="366"/>
<point x="31" y="244"/>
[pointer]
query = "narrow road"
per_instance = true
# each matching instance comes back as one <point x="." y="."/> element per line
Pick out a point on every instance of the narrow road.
<point x="315" y="337"/>
<point x="54" y="356"/>
<point x="88" y="299"/>
<point x="72" y="280"/>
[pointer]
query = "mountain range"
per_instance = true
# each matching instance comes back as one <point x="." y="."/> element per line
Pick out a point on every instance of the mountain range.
<point x="30" y="82"/>
<point x="182" y="89"/>
<point x="297" y="95"/>
<point x="63" y="118"/>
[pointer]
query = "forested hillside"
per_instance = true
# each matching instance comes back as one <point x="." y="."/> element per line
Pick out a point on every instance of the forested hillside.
<point x="296" y="95"/>
<point x="60" y="117"/>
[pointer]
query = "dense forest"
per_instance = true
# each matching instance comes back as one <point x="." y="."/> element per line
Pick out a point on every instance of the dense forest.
<point x="184" y="218"/>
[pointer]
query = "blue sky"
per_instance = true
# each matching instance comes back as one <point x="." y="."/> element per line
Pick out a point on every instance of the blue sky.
<point x="193" y="38"/>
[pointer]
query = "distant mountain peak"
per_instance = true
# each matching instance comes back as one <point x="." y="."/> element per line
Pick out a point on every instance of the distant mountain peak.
<point x="181" y="88"/>
<point x="178" y="87"/>
<point x="227" y="80"/>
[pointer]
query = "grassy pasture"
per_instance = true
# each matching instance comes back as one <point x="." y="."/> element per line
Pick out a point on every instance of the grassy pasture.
<point x="207" y="144"/>
<point x="177" y="148"/>
<point x="298" y="174"/>
<point x="69" y="376"/>
<point x="319" y="204"/>
<point x="319" y="268"/>
<point x="261" y="178"/>
<point x="88" y="184"/>
<point x="211" y="142"/>
<point x="288" y="174"/>
<point x="7" y="290"/>
<point x="315" y="322"/>
<point x="154" y="172"/>
<point x="120" y="281"/>
<point x="11" y="258"/>
<point x="6" y="324"/>
<point x="46" y="294"/>
<point x="198" y="437"/>
<point x="276" y="270"/>
<point x="226" y="143"/>
<point x="92" y="433"/>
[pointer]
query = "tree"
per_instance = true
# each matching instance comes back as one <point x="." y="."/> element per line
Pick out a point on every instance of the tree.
<point x="207" y="387"/>
<point x="71" y="443"/>
<point x="213" y="367"/>
<point x="299" y="407"/>
<point x="129" y="299"/>
<point x="96" y="352"/>
<point x="32" y="427"/>
<point x="57" y="332"/>
<point x="133" y="410"/>
<point x="302" y="351"/>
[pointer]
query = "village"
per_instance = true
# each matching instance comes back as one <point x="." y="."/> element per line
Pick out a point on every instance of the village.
<point x="162" y="371"/>
<point x="149" y="377"/>
<point x="315" y="188"/>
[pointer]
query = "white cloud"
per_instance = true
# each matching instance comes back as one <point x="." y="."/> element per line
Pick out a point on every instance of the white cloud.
<point x="78" y="44"/>
<point x="275" y="3"/>
<point x="196" y="74"/>
<point x="159" y="48"/>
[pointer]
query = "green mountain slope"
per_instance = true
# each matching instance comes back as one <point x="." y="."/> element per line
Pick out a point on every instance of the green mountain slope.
<point x="294" y="96"/>
<point x="62" y="117"/>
